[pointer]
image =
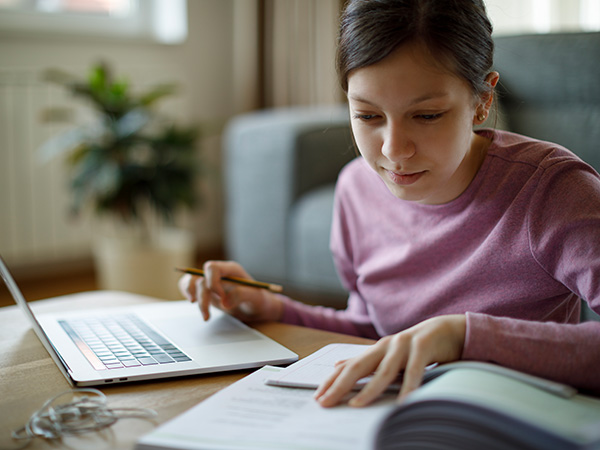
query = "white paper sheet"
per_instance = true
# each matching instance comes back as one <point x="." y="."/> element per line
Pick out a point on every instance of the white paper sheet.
<point x="252" y="415"/>
<point x="311" y="371"/>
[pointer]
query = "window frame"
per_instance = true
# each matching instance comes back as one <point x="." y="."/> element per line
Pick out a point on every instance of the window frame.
<point x="147" y="23"/>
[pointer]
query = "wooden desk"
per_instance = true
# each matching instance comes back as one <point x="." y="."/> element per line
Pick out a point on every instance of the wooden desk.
<point x="28" y="377"/>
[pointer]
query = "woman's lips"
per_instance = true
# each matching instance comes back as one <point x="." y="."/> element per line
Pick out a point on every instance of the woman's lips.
<point x="404" y="179"/>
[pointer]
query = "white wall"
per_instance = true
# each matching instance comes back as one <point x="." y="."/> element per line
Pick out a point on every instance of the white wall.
<point x="202" y="66"/>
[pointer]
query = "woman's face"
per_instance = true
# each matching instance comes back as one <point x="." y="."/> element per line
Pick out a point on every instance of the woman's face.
<point x="413" y="124"/>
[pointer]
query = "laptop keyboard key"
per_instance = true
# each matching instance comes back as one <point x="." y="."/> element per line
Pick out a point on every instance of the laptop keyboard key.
<point x="130" y="363"/>
<point x="163" y="359"/>
<point x="147" y="361"/>
<point x="113" y="365"/>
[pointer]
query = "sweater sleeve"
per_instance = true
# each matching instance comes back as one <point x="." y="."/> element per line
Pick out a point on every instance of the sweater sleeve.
<point x="564" y="234"/>
<point x="340" y="321"/>
<point x="564" y="227"/>
<point x="566" y="353"/>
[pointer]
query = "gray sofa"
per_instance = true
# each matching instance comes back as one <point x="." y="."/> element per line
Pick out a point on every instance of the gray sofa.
<point x="281" y="165"/>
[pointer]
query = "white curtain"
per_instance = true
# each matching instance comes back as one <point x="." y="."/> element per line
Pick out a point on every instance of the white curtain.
<point x="300" y="47"/>
<point x="285" y="53"/>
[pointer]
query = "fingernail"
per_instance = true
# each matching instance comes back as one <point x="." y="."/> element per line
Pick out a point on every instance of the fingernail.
<point x="323" y="400"/>
<point x="247" y="309"/>
<point x="356" y="402"/>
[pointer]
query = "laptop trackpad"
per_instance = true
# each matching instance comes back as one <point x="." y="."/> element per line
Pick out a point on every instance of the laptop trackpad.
<point x="193" y="331"/>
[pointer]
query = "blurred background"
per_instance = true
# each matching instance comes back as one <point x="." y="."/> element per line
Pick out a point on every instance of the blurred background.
<point x="225" y="57"/>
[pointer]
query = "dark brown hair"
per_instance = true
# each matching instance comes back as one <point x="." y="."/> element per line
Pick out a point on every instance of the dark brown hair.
<point x="457" y="33"/>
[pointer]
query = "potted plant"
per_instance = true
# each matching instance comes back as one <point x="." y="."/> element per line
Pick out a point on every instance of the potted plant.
<point x="135" y="169"/>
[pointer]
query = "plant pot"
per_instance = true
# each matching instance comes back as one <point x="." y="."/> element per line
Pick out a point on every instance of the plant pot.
<point x="144" y="267"/>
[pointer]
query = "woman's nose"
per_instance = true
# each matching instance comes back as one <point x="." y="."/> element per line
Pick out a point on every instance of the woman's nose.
<point x="397" y="144"/>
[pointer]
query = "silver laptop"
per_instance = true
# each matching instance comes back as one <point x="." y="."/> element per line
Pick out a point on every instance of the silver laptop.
<point x="146" y="342"/>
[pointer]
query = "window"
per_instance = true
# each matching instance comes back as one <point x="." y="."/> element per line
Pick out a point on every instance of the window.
<point x="543" y="16"/>
<point x="101" y="7"/>
<point x="164" y="21"/>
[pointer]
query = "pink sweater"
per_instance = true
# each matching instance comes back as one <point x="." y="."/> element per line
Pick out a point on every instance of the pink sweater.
<point x="514" y="252"/>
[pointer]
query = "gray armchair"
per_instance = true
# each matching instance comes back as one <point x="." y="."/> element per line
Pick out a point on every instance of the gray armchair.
<point x="281" y="165"/>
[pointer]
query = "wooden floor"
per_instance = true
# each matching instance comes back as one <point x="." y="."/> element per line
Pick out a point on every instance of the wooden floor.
<point x="36" y="288"/>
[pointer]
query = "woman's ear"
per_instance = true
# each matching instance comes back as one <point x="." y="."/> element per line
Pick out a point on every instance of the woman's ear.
<point x="492" y="80"/>
<point x="487" y="98"/>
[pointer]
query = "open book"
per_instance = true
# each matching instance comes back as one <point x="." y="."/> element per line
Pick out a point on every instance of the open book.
<point x="464" y="407"/>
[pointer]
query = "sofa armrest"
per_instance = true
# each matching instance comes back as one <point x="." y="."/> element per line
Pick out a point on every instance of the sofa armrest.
<point x="271" y="158"/>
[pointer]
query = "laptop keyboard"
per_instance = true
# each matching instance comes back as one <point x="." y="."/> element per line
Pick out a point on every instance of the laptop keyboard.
<point x="119" y="342"/>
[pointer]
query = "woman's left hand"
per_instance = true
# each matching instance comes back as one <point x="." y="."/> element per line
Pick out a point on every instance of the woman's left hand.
<point x="439" y="339"/>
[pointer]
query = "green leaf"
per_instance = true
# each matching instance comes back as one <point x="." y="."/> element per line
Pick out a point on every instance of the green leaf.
<point x="157" y="93"/>
<point x="98" y="79"/>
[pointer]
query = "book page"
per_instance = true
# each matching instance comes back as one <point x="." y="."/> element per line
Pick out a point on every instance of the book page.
<point x="311" y="371"/>
<point x="252" y="415"/>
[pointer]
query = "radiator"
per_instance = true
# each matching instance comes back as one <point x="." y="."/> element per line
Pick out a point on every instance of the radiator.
<point x="35" y="226"/>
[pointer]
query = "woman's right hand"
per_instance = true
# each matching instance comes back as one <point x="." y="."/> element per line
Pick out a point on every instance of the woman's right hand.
<point x="249" y="304"/>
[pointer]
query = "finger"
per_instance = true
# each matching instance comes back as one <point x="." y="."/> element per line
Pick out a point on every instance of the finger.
<point x="338" y="387"/>
<point x="231" y="295"/>
<point x="212" y="274"/>
<point x="193" y="284"/>
<point x="413" y="373"/>
<point x="205" y="298"/>
<point x="352" y="371"/>
<point x="325" y="385"/>
<point x="229" y="301"/>
<point x="386" y="373"/>
<point x="187" y="287"/>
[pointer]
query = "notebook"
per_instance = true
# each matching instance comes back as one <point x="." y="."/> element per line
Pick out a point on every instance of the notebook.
<point x="146" y="342"/>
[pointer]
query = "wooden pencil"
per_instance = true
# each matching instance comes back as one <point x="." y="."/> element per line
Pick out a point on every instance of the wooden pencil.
<point x="246" y="282"/>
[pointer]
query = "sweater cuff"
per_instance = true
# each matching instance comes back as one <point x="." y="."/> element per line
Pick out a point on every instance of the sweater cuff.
<point x="477" y="340"/>
<point x="290" y="314"/>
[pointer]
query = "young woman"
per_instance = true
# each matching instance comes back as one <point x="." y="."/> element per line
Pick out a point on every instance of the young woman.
<point x="453" y="243"/>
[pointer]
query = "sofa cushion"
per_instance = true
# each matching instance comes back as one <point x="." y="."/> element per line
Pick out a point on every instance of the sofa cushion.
<point x="271" y="158"/>
<point x="310" y="261"/>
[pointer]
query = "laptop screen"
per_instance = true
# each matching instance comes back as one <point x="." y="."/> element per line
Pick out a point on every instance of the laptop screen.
<point x="19" y="299"/>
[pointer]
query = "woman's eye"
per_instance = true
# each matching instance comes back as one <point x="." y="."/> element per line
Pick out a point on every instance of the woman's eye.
<point x="430" y="117"/>
<point x="365" y="117"/>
